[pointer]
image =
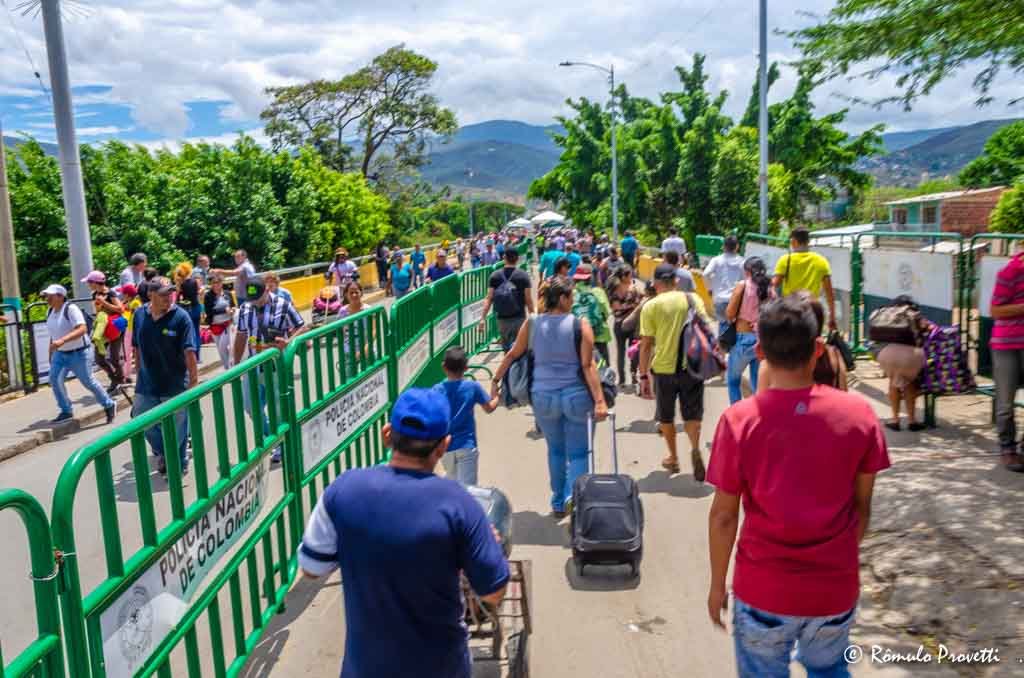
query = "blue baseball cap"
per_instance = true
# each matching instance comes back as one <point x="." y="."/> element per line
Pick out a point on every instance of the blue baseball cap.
<point x="421" y="414"/>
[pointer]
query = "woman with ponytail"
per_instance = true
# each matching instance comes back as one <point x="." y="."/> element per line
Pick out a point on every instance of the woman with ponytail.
<point x="749" y="295"/>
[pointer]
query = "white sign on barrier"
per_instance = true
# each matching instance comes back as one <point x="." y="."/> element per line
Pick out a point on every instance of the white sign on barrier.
<point x="839" y="262"/>
<point x="446" y="328"/>
<point x="926" y="276"/>
<point x="412" y="362"/>
<point x="990" y="267"/>
<point x="135" y="624"/>
<point x="473" y="313"/>
<point x="322" y="434"/>
<point x="768" y="253"/>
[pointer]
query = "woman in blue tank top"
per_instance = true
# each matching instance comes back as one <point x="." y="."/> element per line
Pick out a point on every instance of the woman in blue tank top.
<point x="566" y="389"/>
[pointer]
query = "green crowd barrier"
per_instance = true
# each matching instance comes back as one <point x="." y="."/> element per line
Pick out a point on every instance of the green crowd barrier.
<point x="43" y="657"/>
<point x="208" y="564"/>
<point x="708" y="246"/>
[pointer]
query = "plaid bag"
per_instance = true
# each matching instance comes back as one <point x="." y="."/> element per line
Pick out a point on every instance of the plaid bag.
<point x="945" y="363"/>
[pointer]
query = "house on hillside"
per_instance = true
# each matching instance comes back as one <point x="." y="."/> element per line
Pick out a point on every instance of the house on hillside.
<point x="965" y="212"/>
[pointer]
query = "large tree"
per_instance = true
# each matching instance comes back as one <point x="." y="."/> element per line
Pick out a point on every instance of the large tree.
<point x="384" y="110"/>
<point x="921" y="42"/>
<point x="1002" y="162"/>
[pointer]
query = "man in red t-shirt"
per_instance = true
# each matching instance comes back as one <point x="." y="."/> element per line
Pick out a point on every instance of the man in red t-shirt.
<point x="802" y="458"/>
<point x="1007" y="345"/>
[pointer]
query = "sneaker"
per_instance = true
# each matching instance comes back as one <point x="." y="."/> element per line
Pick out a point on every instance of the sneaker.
<point x="111" y="412"/>
<point x="698" y="466"/>
<point x="63" y="416"/>
<point x="1012" y="460"/>
<point x="275" y="457"/>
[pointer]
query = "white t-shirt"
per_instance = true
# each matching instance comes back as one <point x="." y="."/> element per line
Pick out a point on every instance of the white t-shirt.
<point x="130" y="275"/>
<point x="674" y="244"/>
<point x="722" y="273"/>
<point x="62" y="321"/>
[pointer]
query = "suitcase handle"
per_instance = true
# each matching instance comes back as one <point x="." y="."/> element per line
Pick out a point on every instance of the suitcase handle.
<point x="590" y="442"/>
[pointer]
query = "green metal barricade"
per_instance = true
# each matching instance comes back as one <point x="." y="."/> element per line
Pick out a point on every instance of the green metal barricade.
<point x="44" y="656"/>
<point x="337" y="396"/>
<point x="154" y="598"/>
<point x="708" y="246"/>
<point x="474" y="286"/>
<point x="410" y="331"/>
<point x="446" y="303"/>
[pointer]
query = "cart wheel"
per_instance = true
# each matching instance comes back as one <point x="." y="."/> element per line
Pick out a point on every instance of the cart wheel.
<point x="635" y="568"/>
<point x="579" y="568"/>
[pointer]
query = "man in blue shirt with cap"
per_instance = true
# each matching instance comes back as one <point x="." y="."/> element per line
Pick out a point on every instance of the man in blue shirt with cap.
<point x="401" y="535"/>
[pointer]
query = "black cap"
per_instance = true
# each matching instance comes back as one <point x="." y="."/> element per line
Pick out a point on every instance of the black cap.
<point x="665" y="272"/>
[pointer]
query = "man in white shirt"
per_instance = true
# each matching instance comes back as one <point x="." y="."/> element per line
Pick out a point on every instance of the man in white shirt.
<point x="68" y="343"/>
<point x="673" y="243"/>
<point x="133" y="273"/>
<point x="722" y="273"/>
<point x="243" y="272"/>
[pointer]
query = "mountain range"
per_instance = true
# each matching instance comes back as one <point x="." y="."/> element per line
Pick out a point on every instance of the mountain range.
<point x="498" y="159"/>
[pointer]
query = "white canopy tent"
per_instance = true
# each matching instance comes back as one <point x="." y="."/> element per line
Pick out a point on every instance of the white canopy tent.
<point x="520" y="222"/>
<point x="547" y="218"/>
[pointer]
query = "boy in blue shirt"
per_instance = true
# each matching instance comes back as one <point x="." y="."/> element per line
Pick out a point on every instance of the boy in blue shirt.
<point x="419" y="259"/>
<point x="460" y="462"/>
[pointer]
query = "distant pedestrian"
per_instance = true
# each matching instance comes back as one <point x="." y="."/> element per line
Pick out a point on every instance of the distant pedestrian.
<point x="273" y="283"/>
<point x="403" y="537"/>
<point x="743" y="310"/>
<point x="573" y="256"/>
<point x="201" y="271"/>
<point x="164" y="350"/>
<point x="148" y="276"/>
<point x="591" y="303"/>
<point x="548" y="259"/>
<point x="661" y="324"/>
<point x="133" y="273"/>
<point x="722" y="274"/>
<point x="220" y="308"/>
<point x="265" y="321"/>
<point x="460" y="253"/>
<point x="243" y="272"/>
<point x="419" y="262"/>
<point x="108" y="335"/>
<point x="624" y="298"/>
<point x="461" y="460"/>
<point x="802" y="460"/>
<point x="381" y="258"/>
<point x="400" y="277"/>
<point x="66" y="326"/>
<point x="673" y="243"/>
<point x="132" y="303"/>
<point x="802" y="269"/>
<point x="440" y="269"/>
<point x="188" y="300"/>
<point x="342" y="271"/>
<point x="1007" y="345"/>
<point x="684" y="279"/>
<point x="489" y="257"/>
<point x="629" y="247"/>
<point x="510" y="296"/>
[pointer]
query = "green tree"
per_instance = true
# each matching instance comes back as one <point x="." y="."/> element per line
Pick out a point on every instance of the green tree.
<point x="1002" y="161"/>
<point x="922" y="41"/>
<point x="385" y="105"/>
<point x="1008" y="216"/>
<point x="734" y="182"/>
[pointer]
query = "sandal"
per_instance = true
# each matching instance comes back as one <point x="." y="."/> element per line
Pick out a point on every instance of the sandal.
<point x="893" y="425"/>
<point x="670" y="464"/>
<point x="698" y="466"/>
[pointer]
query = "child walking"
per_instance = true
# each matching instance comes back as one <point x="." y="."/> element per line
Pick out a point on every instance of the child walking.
<point x="460" y="461"/>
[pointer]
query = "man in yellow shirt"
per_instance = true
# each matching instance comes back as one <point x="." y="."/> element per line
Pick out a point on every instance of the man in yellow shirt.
<point x="661" y="324"/>
<point x="802" y="269"/>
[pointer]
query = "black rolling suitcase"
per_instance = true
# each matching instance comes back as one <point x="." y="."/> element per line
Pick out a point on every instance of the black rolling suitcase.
<point x="607" y="522"/>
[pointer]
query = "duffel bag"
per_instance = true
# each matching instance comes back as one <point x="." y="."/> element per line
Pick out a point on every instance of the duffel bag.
<point x="894" y="325"/>
<point x="946" y="371"/>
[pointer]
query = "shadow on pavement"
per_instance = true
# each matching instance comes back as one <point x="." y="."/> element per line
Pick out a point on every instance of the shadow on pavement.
<point x="530" y="527"/>
<point x="681" y="485"/>
<point x="601" y="577"/>
<point x="266" y="655"/>
<point x="645" y="426"/>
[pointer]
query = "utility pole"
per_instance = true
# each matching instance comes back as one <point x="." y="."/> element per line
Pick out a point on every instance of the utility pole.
<point x="79" y="241"/>
<point x="762" y="122"/>
<point x="9" y="276"/>
<point x="471" y="218"/>
<point x="615" y="165"/>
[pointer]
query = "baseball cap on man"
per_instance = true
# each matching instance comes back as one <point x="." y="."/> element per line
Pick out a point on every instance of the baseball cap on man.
<point x="665" y="272"/>
<point x="161" y="286"/>
<point x="421" y="414"/>
<point x="55" y="289"/>
<point x="95" y="277"/>
<point x="255" y="288"/>
<point x="583" y="272"/>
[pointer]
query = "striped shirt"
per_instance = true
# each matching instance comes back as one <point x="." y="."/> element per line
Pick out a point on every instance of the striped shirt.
<point x="1008" y="333"/>
<point x="259" y="323"/>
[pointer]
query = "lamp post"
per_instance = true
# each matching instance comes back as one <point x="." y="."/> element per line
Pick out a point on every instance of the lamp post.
<point x="615" y="150"/>
<point x="762" y="119"/>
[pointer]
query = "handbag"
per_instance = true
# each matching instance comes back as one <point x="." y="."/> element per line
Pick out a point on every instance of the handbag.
<point x="698" y="353"/>
<point x="519" y="377"/>
<point x="836" y="339"/>
<point x="728" y="336"/>
<point x="894" y="325"/>
<point x="946" y="371"/>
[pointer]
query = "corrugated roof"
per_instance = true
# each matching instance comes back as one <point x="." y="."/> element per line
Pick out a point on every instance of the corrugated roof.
<point x="932" y="197"/>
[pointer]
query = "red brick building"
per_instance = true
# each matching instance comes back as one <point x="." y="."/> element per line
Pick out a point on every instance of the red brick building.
<point x="965" y="212"/>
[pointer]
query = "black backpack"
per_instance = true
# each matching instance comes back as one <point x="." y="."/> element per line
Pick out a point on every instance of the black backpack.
<point x="507" y="299"/>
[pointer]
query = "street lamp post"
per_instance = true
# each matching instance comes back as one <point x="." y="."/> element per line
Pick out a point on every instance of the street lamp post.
<point x="762" y="118"/>
<point x="615" y="148"/>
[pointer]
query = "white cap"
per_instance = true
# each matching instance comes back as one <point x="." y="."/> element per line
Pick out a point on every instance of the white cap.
<point x="55" y="289"/>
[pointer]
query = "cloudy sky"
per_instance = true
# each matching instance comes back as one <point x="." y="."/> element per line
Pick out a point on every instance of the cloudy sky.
<point x="156" y="71"/>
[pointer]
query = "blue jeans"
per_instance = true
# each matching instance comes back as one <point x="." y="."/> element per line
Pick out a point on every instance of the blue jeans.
<point x="764" y="643"/>
<point x="562" y="416"/>
<point x="154" y="434"/>
<point x="462" y="465"/>
<point x="741" y="355"/>
<point x="75" y="362"/>
<point x="417" y="278"/>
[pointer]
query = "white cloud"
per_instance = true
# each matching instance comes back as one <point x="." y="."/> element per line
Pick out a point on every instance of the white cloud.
<point x="103" y="130"/>
<point x="497" y="60"/>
